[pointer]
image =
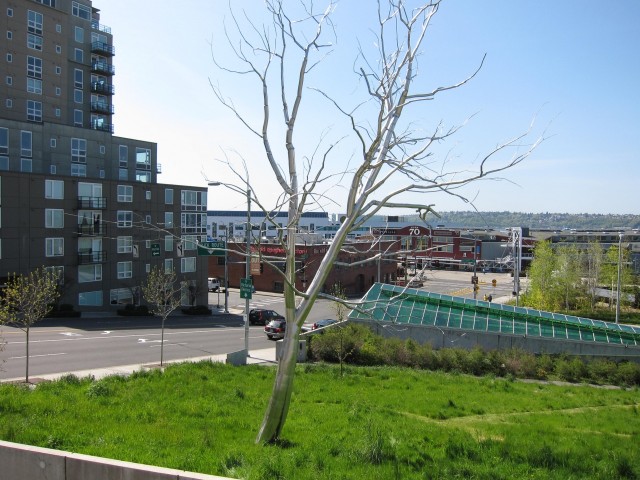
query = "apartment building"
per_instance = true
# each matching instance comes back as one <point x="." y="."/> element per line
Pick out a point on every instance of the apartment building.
<point x="73" y="196"/>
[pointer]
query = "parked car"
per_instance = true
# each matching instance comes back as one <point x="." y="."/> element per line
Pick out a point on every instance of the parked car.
<point x="260" y="316"/>
<point x="323" y="323"/>
<point x="214" y="284"/>
<point x="275" y="329"/>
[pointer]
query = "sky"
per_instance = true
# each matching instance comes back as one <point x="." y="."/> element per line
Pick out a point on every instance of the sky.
<point x="570" y="68"/>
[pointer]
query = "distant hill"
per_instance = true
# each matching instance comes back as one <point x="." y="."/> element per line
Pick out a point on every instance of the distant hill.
<point x="536" y="221"/>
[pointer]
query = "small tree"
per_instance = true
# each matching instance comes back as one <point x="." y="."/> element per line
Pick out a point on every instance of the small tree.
<point x="27" y="300"/>
<point x="542" y="287"/>
<point x="594" y="259"/>
<point x="163" y="296"/>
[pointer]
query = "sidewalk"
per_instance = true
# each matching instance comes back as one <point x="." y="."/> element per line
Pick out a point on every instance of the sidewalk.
<point x="266" y="356"/>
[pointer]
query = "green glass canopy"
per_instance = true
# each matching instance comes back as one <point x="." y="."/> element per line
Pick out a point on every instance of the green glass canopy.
<point x="389" y="303"/>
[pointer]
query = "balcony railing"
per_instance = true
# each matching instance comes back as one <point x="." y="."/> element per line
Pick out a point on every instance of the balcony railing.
<point x="103" y="67"/>
<point x="103" y="49"/>
<point x="101" y="126"/>
<point x="88" y="257"/>
<point x="158" y="168"/>
<point x="92" y="230"/>
<point x="98" y="26"/>
<point x="102" y="88"/>
<point x="102" y="107"/>
<point x="92" y="202"/>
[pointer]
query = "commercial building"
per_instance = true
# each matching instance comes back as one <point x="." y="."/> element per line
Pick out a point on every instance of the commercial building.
<point x="74" y="197"/>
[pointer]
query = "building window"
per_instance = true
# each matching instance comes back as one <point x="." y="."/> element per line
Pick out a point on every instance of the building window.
<point x="54" y="189"/>
<point x="79" y="55"/>
<point x="4" y="141"/>
<point x="9" y="58"/>
<point x="9" y="80"/>
<point x="91" y="273"/>
<point x="58" y="49"/>
<point x="53" y="169"/>
<point x="190" y="242"/>
<point x="123" y="154"/>
<point x="78" y="170"/>
<point x="81" y="11"/>
<point x="79" y="35"/>
<point x="58" y="28"/>
<point x="194" y="200"/>
<point x="4" y="162"/>
<point x="125" y="193"/>
<point x="58" y="271"/>
<point x="26" y="143"/>
<point x="188" y="264"/>
<point x="168" y="265"/>
<point x="78" y="78"/>
<point x="34" y="111"/>
<point x="53" y="218"/>
<point x="26" y="165"/>
<point x="125" y="244"/>
<point x="78" y="118"/>
<point x="102" y="149"/>
<point x="168" y="196"/>
<point x="58" y="92"/>
<point x="9" y="35"/>
<point x="123" y="174"/>
<point x="54" y="247"/>
<point x="53" y="142"/>
<point x="143" y="176"/>
<point x="34" y="42"/>
<point x="34" y="67"/>
<point x="124" y="269"/>
<point x="58" y="112"/>
<point x="168" y="219"/>
<point x="58" y="70"/>
<point x="79" y="150"/>
<point x="34" y="85"/>
<point x="9" y="12"/>
<point x="78" y="95"/>
<point x="147" y="194"/>
<point x="194" y="223"/>
<point x="90" y="299"/>
<point x="101" y="173"/>
<point x="34" y="22"/>
<point x="168" y="243"/>
<point x="147" y="219"/>
<point x="143" y="158"/>
<point x="124" y="218"/>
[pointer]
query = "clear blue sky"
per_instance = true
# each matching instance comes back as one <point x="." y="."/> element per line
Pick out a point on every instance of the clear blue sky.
<point x="573" y="65"/>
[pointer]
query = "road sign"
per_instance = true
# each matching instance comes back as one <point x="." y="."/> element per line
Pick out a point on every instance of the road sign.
<point x="211" y="248"/>
<point x="155" y="249"/>
<point x="246" y="288"/>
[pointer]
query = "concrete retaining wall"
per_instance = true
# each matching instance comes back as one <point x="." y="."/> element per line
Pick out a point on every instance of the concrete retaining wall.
<point x="442" y="338"/>
<point x="23" y="462"/>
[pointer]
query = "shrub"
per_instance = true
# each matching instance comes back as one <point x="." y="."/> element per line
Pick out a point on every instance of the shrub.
<point x="627" y="374"/>
<point x="197" y="310"/>
<point x="131" y="310"/>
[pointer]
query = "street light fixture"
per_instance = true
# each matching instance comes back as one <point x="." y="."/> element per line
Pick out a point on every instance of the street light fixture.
<point x="248" y="257"/>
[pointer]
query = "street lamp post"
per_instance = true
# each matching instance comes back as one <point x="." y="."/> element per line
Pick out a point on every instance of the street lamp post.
<point x="618" y="289"/>
<point x="247" y="262"/>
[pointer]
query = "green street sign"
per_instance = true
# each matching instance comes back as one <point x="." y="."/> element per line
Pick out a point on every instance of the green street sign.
<point x="211" y="248"/>
<point x="155" y="249"/>
<point x="246" y="288"/>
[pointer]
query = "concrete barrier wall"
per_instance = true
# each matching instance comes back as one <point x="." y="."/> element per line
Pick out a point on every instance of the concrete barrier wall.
<point x="24" y="462"/>
<point x="443" y="338"/>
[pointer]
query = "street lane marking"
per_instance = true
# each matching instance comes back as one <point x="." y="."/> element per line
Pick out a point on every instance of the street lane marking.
<point x="32" y="356"/>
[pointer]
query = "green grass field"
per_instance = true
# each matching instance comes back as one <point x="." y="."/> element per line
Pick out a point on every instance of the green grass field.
<point x="373" y="423"/>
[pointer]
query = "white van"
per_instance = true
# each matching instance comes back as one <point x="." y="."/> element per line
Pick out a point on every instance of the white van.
<point x="214" y="284"/>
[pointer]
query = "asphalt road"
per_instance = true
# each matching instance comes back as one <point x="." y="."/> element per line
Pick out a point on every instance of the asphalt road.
<point x="86" y="343"/>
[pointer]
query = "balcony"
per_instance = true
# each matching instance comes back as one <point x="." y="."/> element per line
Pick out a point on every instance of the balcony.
<point x="92" y="202"/>
<point x="102" y="107"/>
<point x="102" y="88"/>
<point x="158" y="168"/>
<point x="89" y="257"/>
<point x="101" y="126"/>
<point x="103" y="48"/>
<point x="98" y="26"/>
<point x="103" y="67"/>
<point x="92" y="230"/>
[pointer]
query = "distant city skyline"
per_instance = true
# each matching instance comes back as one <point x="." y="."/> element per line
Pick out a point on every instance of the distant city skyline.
<point x="574" y="66"/>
